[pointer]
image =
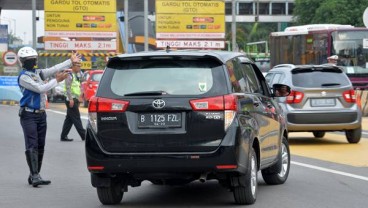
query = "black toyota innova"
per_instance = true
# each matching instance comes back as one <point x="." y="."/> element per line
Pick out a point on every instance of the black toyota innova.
<point x="174" y="117"/>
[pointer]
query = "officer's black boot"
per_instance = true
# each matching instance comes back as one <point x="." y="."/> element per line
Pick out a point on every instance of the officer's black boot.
<point x="40" y="158"/>
<point x="32" y="160"/>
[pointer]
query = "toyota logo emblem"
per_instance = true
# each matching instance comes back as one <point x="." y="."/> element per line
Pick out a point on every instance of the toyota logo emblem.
<point x="158" y="103"/>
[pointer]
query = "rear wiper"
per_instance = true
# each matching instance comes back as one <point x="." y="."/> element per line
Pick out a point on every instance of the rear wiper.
<point x="330" y="84"/>
<point x="158" y="92"/>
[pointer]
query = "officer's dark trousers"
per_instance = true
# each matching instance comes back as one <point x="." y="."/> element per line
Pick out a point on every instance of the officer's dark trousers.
<point x="34" y="128"/>
<point x="73" y="117"/>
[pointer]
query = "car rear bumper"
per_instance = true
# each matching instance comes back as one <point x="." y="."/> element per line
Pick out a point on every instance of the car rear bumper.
<point x="229" y="154"/>
<point x="323" y="121"/>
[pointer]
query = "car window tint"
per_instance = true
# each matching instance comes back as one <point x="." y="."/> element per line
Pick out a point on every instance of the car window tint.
<point x="316" y="79"/>
<point x="251" y="79"/>
<point x="236" y="76"/>
<point x="96" y="77"/>
<point x="174" y="81"/>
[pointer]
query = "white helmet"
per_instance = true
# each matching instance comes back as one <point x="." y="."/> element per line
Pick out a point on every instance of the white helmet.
<point x="26" y="52"/>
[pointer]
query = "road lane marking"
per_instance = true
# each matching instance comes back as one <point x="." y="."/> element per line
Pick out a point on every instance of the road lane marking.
<point x="330" y="171"/>
<point x="63" y="113"/>
<point x="332" y="148"/>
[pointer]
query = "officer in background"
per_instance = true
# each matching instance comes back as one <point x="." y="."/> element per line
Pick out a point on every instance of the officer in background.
<point x="332" y="60"/>
<point x="72" y="94"/>
<point x="32" y="106"/>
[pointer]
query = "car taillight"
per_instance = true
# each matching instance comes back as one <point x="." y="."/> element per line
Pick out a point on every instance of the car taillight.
<point x="208" y="104"/>
<point x="349" y="96"/>
<point x="105" y="105"/>
<point x="294" y="97"/>
<point x="227" y="103"/>
<point x="97" y="104"/>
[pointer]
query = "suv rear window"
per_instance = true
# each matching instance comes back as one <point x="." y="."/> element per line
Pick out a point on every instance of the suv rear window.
<point x="174" y="81"/>
<point x="174" y="77"/>
<point x="316" y="78"/>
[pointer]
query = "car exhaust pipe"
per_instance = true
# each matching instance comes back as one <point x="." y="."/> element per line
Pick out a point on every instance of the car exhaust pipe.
<point x="203" y="177"/>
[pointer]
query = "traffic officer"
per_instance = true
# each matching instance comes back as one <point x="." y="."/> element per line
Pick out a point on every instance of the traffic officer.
<point x="32" y="106"/>
<point x="72" y="94"/>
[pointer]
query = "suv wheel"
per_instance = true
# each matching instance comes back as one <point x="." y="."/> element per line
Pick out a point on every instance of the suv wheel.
<point x="246" y="190"/>
<point x="110" y="195"/>
<point x="319" y="134"/>
<point x="353" y="136"/>
<point x="279" y="172"/>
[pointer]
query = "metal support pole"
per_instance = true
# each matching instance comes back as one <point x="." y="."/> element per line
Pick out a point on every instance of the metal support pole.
<point x="126" y="22"/>
<point x="233" y="26"/>
<point x="34" y="34"/>
<point x="145" y="25"/>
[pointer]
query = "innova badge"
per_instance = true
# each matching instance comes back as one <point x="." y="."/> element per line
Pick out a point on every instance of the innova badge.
<point x="158" y="104"/>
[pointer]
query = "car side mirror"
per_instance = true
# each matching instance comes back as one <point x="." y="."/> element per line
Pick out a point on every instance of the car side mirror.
<point x="280" y="90"/>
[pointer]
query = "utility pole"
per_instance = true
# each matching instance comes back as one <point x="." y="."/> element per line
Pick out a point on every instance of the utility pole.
<point x="126" y="22"/>
<point x="145" y="25"/>
<point x="233" y="26"/>
<point x="34" y="34"/>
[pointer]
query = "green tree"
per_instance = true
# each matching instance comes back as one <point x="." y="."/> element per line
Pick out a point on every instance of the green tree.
<point x="330" y="12"/>
<point x="251" y="32"/>
<point x="304" y="10"/>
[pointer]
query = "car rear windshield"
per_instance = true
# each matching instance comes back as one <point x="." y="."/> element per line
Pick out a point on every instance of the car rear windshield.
<point x="172" y="77"/>
<point x="316" y="78"/>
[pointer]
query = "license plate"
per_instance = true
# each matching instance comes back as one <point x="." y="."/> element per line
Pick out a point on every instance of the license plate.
<point x="323" y="102"/>
<point x="159" y="120"/>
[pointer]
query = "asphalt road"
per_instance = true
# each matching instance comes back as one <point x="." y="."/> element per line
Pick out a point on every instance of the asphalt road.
<point x="316" y="178"/>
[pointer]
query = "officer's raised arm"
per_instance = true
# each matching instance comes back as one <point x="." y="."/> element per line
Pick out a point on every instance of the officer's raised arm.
<point x="75" y="58"/>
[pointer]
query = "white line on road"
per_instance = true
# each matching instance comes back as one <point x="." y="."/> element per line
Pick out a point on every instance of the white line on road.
<point x="330" y="171"/>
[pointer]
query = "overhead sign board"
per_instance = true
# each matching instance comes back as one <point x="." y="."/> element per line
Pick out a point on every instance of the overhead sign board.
<point x="76" y="19"/>
<point x="57" y="21"/>
<point x="190" y="16"/>
<point x="10" y="58"/>
<point x="80" y="45"/>
<point x="190" y="24"/>
<point x="103" y="6"/>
